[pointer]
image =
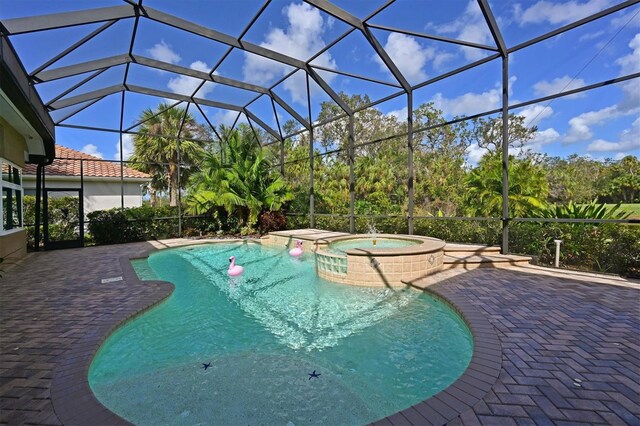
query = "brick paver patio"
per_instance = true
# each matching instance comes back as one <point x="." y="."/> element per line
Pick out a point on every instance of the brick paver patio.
<point x="570" y="349"/>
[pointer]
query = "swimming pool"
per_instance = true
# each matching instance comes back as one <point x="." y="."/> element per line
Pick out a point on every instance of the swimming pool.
<point x="375" y="350"/>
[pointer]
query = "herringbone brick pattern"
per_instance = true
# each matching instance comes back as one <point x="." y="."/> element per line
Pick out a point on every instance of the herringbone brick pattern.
<point x="570" y="350"/>
<point x="48" y="303"/>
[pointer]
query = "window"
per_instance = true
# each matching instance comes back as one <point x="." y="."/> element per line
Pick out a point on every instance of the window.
<point x="11" y="187"/>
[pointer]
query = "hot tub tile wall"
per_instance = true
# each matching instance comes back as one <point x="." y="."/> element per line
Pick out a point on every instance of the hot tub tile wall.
<point x="335" y="265"/>
<point x="391" y="268"/>
<point x="378" y="270"/>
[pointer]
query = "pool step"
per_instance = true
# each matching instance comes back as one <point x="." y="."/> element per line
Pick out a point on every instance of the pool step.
<point x="479" y="250"/>
<point x="472" y="261"/>
<point x="471" y="256"/>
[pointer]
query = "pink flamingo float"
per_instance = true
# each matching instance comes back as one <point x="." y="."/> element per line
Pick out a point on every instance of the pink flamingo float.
<point x="234" y="270"/>
<point x="296" y="252"/>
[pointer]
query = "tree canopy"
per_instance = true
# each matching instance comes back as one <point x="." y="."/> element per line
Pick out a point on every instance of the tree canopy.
<point x="239" y="175"/>
<point x="157" y="151"/>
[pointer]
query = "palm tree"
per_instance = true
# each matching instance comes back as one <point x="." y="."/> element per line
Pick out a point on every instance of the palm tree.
<point x="159" y="152"/>
<point x="240" y="179"/>
<point x="528" y="187"/>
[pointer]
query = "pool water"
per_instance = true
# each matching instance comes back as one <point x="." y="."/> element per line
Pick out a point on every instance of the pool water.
<point x="341" y="247"/>
<point x="376" y="351"/>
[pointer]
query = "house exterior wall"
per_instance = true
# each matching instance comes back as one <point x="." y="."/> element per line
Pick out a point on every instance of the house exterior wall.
<point x="98" y="194"/>
<point x="12" y="144"/>
<point x="12" y="147"/>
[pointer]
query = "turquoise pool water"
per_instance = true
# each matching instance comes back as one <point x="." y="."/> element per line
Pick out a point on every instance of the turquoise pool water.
<point x="341" y="247"/>
<point x="376" y="351"/>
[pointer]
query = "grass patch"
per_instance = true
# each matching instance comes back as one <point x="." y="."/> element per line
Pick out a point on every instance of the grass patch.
<point x="633" y="209"/>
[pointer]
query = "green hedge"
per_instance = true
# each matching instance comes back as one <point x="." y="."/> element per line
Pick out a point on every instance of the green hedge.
<point x="611" y="248"/>
<point x="62" y="226"/>
<point x="149" y="223"/>
<point x="460" y="231"/>
<point x="133" y="224"/>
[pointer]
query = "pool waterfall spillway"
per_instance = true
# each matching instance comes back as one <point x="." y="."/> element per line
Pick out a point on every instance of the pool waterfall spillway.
<point x="370" y="259"/>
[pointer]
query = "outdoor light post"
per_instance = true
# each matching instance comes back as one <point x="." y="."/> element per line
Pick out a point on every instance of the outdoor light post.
<point x="558" y="242"/>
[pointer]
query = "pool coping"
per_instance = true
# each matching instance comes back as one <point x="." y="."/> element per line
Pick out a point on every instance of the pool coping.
<point x="476" y="380"/>
<point x="74" y="402"/>
<point x="426" y="245"/>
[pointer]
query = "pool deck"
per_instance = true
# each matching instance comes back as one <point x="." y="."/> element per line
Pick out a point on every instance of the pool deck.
<point x="310" y="234"/>
<point x="568" y="344"/>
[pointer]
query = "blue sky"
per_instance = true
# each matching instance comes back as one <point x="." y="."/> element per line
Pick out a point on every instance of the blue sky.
<point x="604" y="123"/>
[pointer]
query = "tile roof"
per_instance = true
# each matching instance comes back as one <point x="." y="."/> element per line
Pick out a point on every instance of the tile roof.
<point x="66" y="164"/>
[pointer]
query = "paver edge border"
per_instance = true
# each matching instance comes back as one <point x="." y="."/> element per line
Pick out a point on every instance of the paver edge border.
<point x="73" y="400"/>
<point x="475" y="382"/>
<point x="71" y="396"/>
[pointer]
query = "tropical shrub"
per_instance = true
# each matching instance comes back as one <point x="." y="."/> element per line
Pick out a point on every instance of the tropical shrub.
<point x="154" y="222"/>
<point x="271" y="221"/>
<point x="528" y="187"/>
<point x="608" y="248"/>
<point x="113" y="227"/>
<point x="459" y="231"/>
<point x="158" y="155"/>
<point x="148" y="223"/>
<point x="572" y="210"/>
<point x="298" y="221"/>
<point x="63" y="219"/>
<point x="240" y="178"/>
<point x="198" y="226"/>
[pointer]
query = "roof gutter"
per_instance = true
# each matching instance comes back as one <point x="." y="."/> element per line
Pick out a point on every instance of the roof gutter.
<point x="14" y="82"/>
<point x="89" y="178"/>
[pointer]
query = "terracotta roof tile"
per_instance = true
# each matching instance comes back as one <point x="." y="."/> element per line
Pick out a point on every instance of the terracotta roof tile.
<point x="66" y="164"/>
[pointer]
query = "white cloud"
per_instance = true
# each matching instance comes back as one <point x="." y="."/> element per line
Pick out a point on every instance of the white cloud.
<point x="469" y="103"/>
<point x="227" y="117"/>
<point x="580" y="126"/>
<point x="560" y="13"/>
<point x="185" y="85"/>
<point x="411" y="57"/>
<point x="399" y="114"/>
<point x="590" y="36"/>
<point x="557" y="85"/>
<point x="470" y="26"/>
<point x="540" y="138"/>
<point x="474" y="154"/>
<point x="603" y="158"/>
<point x="600" y="145"/>
<point x="91" y="149"/>
<point x="630" y="63"/>
<point x="441" y="58"/>
<point x="301" y="39"/>
<point x="629" y="140"/>
<point x="296" y="85"/>
<point x="408" y="55"/>
<point x="163" y="52"/>
<point x="630" y="18"/>
<point x="472" y="103"/>
<point x="127" y="147"/>
<point x="543" y="137"/>
<point x="533" y="114"/>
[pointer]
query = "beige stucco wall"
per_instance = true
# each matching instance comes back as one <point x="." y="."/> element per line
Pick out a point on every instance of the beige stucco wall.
<point x="13" y="246"/>
<point x="12" y="144"/>
<point x="12" y="148"/>
<point x="98" y="194"/>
